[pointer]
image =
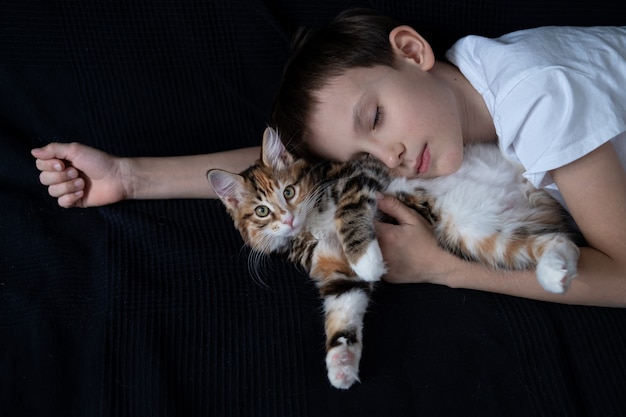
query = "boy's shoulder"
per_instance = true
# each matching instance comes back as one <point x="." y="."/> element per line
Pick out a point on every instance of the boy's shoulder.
<point x="543" y="43"/>
<point x="500" y="64"/>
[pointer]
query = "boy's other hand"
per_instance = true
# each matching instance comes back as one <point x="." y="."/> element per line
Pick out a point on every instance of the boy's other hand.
<point x="80" y="176"/>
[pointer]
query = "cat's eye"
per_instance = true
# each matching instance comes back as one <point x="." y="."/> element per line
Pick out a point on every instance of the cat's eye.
<point x="262" y="211"/>
<point x="289" y="192"/>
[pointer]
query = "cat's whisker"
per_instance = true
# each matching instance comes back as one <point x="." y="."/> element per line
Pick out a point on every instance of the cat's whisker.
<point x="254" y="259"/>
<point x="244" y="248"/>
<point x="259" y="259"/>
<point x="317" y="190"/>
<point x="256" y="264"/>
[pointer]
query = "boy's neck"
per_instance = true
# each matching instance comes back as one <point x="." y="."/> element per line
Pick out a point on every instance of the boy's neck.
<point x="476" y="120"/>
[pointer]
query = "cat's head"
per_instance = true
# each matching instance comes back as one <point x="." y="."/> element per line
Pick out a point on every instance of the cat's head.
<point x="268" y="201"/>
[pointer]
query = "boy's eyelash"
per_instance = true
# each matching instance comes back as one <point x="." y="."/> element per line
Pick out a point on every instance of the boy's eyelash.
<point x="377" y="116"/>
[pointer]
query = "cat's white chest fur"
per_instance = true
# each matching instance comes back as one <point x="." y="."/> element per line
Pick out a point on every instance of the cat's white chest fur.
<point x="488" y="200"/>
<point x="321" y="224"/>
<point x="484" y="194"/>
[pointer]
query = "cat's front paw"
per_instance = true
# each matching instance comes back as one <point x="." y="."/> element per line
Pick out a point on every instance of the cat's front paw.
<point x="342" y="363"/>
<point x="558" y="266"/>
<point x="371" y="266"/>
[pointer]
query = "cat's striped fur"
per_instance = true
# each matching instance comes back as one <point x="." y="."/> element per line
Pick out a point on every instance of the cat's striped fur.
<point x="321" y="216"/>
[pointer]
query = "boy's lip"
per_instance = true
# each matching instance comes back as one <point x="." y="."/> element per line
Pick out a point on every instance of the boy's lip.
<point x="422" y="163"/>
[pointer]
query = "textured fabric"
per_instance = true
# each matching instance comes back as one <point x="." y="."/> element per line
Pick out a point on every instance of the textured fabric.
<point x="147" y="308"/>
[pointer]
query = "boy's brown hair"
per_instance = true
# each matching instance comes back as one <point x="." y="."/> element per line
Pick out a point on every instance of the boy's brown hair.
<point x="355" y="38"/>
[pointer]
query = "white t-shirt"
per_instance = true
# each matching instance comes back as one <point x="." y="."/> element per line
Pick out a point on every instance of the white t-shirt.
<point x="555" y="93"/>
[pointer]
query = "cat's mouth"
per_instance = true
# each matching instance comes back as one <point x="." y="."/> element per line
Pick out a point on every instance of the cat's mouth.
<point x="297" y="225"/>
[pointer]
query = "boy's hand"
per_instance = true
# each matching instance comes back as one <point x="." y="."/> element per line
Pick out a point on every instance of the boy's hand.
<point x="409" y="248"/>
<point x="80" y="176"/>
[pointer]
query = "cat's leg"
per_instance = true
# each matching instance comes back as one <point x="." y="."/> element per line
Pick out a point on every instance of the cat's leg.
<point x="558" y="259"/>
<point x="553" y="256"/>
<point x="344" y="328"/>
<point x="345" y="301"/>
<point x="367" y="260"/>
<point x="354" y="220"/>
<point x="370" y="266"/>
<point x="557" y="265"/>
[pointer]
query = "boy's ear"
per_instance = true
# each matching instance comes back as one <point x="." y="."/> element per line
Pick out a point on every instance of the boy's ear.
<point x="407" y="43"/>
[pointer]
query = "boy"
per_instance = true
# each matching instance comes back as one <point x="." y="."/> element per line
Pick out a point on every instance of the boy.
<point x="366" y="84"/>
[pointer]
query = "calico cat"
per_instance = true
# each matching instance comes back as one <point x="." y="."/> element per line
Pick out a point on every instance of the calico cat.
<point x="321" y="217"/>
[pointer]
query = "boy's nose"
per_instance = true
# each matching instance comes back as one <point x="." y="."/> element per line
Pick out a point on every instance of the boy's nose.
<point x="390" y="155"/>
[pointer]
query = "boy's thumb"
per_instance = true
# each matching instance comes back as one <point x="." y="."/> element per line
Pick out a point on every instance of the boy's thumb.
<point x="396" y="209"/>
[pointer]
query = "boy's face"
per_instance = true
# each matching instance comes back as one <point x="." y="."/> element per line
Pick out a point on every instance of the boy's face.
<point x="406" y="117"/>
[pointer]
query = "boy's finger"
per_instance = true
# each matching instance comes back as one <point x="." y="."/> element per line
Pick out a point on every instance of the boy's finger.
<point x="55" y="150"/>
<point x="54" y="177"/>
<point x="394" y="208"/>
<point x="45" y="152"/>
<point x="50" y="165"/>
<point x="68" y="187"/>
<point x="71" y="200"/>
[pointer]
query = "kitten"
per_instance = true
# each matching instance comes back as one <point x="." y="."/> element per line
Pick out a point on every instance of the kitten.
<point x="321" y="217"/>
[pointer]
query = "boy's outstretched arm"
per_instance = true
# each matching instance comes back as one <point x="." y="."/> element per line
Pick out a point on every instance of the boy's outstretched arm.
<point x="81" y="176"/>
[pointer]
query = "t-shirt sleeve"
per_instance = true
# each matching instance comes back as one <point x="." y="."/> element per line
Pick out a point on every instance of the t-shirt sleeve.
<point x="570" y="116"/>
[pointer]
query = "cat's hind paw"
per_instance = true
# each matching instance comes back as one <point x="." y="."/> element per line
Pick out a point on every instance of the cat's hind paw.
<point x="342" y="363"/>
<point x="557" y="267"/>
<point x="371" y="266"/>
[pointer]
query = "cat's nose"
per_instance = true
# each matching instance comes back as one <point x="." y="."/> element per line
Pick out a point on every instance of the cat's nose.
<point x="287" y="219"/>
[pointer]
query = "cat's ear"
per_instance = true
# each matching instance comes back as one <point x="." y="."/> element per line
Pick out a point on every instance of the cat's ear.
<point x="274" y="153"/>
<point x="227" y="186"/>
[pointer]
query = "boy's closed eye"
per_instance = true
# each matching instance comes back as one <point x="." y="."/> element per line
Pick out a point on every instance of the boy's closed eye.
<point x="377" y="117"/>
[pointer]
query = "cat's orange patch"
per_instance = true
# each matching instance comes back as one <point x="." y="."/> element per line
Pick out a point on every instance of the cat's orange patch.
<point x="487" y="246"/>
<point x="263" y="181"/>
<point x="328" y="267"/>
<point x="535" y="250"/>
<point x="512" y="251"/>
